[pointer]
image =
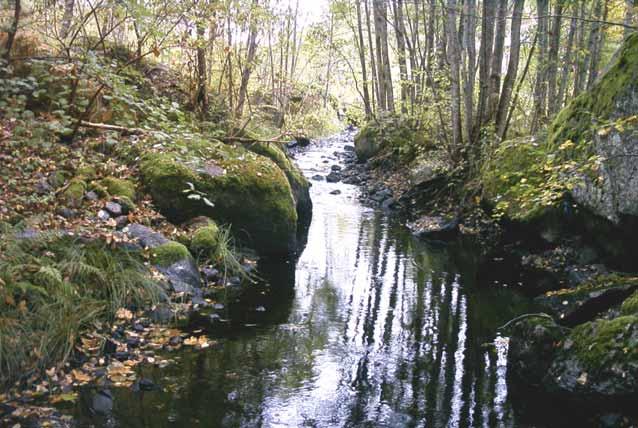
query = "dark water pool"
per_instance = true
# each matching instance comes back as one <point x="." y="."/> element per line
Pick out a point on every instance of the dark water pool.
<point x="369" y="328"/>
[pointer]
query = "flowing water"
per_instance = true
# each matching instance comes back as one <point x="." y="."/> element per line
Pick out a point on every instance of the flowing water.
<point x="368" y="328"/>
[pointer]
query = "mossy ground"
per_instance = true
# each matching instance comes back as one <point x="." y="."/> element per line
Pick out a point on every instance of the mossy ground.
<point x="630" y="305"/>
<point x="205" y="239"/>
<point x="119" y="187"/>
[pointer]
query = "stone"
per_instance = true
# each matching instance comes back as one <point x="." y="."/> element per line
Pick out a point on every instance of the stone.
<point x="435" y="228"/>
<point x="91" y="196"/>
<point x="114" y="208"/>
<point x="103" y="215"/>
<point x="67" y="213"/>
<point x="333" y="177"/>
<point x="183" y="276"/>
<point x="243" y="189"/>
<point x="121" y="222"/>
<point x="336" y="168"/>
<point x="577" y="305"/>
<point x="102" y="402"/>
<point x="317" y="177"/>
<point x="336" y="192"/>
<point x="147" y="237"/>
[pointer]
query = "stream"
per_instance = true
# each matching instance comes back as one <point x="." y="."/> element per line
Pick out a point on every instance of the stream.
<point x="368" y="328"/>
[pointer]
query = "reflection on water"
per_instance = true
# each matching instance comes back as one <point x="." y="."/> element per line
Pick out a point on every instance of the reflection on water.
<point x="378" y="331"/>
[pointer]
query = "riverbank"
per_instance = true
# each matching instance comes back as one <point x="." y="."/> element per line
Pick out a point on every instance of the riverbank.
<point x="558" y="209"/>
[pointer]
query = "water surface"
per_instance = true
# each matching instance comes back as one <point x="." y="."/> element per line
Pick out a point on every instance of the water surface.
<point x="368" y="328"/>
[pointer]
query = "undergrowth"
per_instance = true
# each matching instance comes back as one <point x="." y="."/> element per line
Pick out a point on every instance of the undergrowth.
<point x="53" y="288"/>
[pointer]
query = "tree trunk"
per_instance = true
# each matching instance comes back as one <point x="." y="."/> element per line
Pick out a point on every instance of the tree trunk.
<point x="329" y="66"/>
<point x="469" y="66"/>
<point x="202" y="80"/>
<point x="248" y="64"/>
<point x="540" y="85"/>
<point x="11" y="34"/>
<point x="567" y="64"/>
<point x="377" y="6"/>
<point x="399" y="26"/>
<point x="67" y="18"/>
<point x="373" y="66"/>
<point x="597" y="42"/>
<point x="362" y="59"/>
<point x="454" y="61"/>
<point x="552" y="67"/>
<point x="485" y="52"/>
<point x="497" y="60"/>
<point x="512" y="69"/>
<point x="580" y="74"/>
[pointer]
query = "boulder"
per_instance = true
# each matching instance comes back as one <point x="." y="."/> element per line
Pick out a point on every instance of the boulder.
<point x="533" y="342"/>
<point x="230" y="184"/>
<point x="367" y="143"/>
<point x="598" y="360"/>
<point x="576" y="305"/>
<point x="602" y="123"/>
<point x="147" y="237"/>
<point x="435" y="228"/>
<point x="175" y="261"/>
<point x="298" y="183"/>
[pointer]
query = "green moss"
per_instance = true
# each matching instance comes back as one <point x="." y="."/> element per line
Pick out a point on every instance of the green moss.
<point x="586" y="112"/>
<point x="57" y="179"/>
<point x="87" y="171"/>
<point x="630" y="305"/>
<point x="298" y="183"/>
<point x="119" y="187"/>
<point x="74" y="192"/>
<point x="169" y="253"/>
<point x="205" y="238"/>
<point x="602" y="342"/>
<point x="246" y="190"/>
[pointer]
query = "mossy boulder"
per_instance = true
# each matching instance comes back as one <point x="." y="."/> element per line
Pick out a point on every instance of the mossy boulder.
<point x="630" y="305"/>
<point x="600" y="127"/>
<point x="171" y="252"/>
<point x="205" y="238"/>
<point x="298" y="183"/>
<point x="74" y="192"/>
<point x="533" y="342"/>
<point x="227" y="183"/>
<point x="367" y="142"/>
<point x="598" y="359"/>
<point x="119" y="187"/>
<point x="576" y="305"/>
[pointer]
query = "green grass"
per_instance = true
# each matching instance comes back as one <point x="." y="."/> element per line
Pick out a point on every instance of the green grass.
<point x="53" y="289"/>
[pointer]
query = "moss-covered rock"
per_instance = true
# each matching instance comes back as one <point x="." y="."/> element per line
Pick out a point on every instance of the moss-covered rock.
<point x="87" y="171"/>
<point x="367" y="142"/>
<point x="119" y="187"/>
<point x="576" y="305"/>
<point x="613" y="97"/>
<point x="74" y="193"/>
<point x="298" y="183"/>
<point x="388" y="134"/>
<point x="630" y="305"/>
<point x="533" y="342"/>
<point x="598" y="359"/>
<point x="169" y="253"/>
<point x="230" y="184"/>
<point x="205" y="239"/>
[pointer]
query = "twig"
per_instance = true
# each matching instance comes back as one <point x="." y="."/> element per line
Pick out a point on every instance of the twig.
<point x="522" y="317"/>
<point x="108" y="127"/>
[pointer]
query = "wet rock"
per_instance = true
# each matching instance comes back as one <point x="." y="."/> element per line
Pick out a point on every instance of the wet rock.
<point x="333" y="177"/>
<point x="146" y="236"/>
<point x="182" y="275"/>
<point x="532" y="347"/>
<point x="302" y="141"/>
<point x="103" y="215"/>
<point x="317" y="177"/>
<point x="336" y="192"/>
<point x="348" y="148"/>
<point x="210" y="274"/>
<point x="353" y="179"/>
<point x="144" y="384"/>
<point x="335" y="168"/>
<point x="102" y="402"/>
<point x="583" y="303"/>
<point x="381" y="195"/>
<point x="435" y="228"/>
<point x="389" y="204"/>
<point x="260" y="309"/>
<point x="114" y="208"/>
<point x="598" y="360"/>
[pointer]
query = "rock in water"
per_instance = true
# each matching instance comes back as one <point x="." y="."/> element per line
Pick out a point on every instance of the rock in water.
<point x="435" y="228"/>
